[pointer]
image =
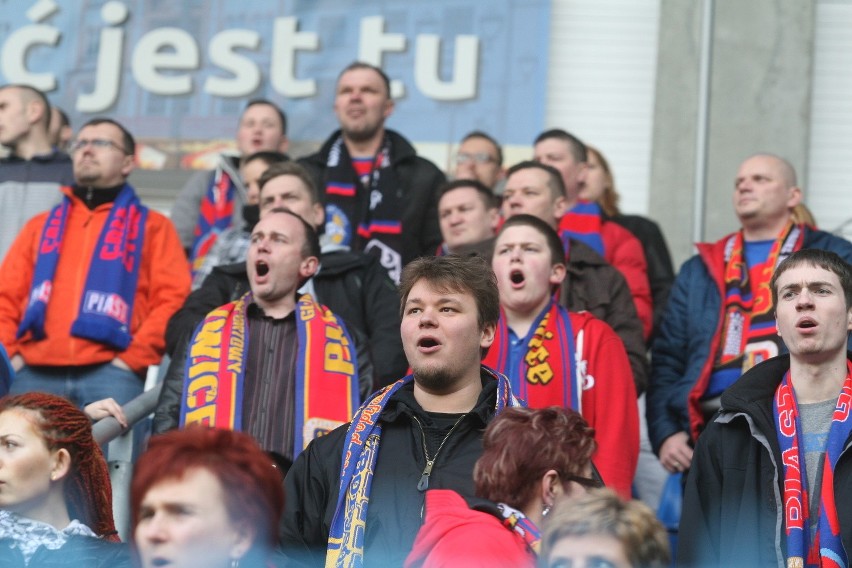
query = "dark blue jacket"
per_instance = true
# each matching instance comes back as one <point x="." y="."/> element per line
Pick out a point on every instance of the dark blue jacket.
<point x="684" y="350"/>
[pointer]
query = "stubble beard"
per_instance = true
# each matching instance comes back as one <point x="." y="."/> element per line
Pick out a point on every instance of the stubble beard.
<point x="435" y="379"/>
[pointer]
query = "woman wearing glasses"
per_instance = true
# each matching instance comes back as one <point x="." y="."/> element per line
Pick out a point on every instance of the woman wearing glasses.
<point x="531" y="458"/>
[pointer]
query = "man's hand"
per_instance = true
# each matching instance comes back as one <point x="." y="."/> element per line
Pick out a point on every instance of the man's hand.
<point x="17" y="362"/>
<point x="675" y="453"/>
<point x="121" y="364"/>
<point x="103" y="408"/>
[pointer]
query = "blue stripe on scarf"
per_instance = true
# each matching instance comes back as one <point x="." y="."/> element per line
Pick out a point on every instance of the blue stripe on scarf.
<point x="106" y="306"/>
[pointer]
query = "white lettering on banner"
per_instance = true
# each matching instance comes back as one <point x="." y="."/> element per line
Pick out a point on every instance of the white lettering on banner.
<point x="165" y="48"/>
<point x="163" y="59"/>
<point x="286" y="40"/>
<point x="246" y="75"/>
<point x="108" y="70"/>
<point x="374" y="42"/>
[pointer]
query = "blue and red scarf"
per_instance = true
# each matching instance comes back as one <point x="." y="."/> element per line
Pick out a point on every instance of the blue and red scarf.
<point x="360" y="451"/>
<point x="826" y="551"/>
<point x="364" y="204"/>
<point x="106" y="307"/>
<point x="548" y="374"/>
<point x="583" y="222"/>
<point x="215" y="215"/>
<point x="521" y="525"/>
<point x="326" y="371"/>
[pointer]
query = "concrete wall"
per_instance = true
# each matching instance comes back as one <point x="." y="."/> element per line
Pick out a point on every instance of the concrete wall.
<point x="762" y="58"/>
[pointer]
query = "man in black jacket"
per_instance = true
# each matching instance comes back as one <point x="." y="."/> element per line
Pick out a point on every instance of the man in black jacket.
<point x="423" y="432"/>
<point x="352" y="284"/>
<point x="380" y="196"/>
<point x="771" y="479"/>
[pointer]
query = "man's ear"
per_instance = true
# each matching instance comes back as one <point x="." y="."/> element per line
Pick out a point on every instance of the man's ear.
<point x="557" y="273"/>
<point x="487" y="335"/>
<point x="283" y="144"/>
<point x="308" y="267"/>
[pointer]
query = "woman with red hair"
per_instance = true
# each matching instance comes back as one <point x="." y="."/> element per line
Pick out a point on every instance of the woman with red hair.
<point x="530" y="458"/>
<point x="55" y="493"/>
<point x="205" y="497"/>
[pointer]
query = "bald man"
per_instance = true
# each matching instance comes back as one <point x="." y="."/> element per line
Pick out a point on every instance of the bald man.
<point x="719" y="320"/>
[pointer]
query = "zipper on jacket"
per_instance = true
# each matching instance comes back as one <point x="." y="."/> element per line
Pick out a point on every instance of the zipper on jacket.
<point x="423" y="484"/>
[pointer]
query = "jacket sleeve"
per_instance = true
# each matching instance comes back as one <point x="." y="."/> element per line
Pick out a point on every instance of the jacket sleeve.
<point x="168" y="287"/>
<point x="381" y="313"/>
<point x="701" y="512"/>
<point x="167" y="412"/>
<point x="669" y="387"/>
<point x="18" y="267"/>
<point x="187" y="205"/>
<point x="215" y="291"/>
<point x="430" y="233"/>
<point x="609" y="405"/>
<point x="365" y="363"/>
<point x="625" y="253"/>
<point x="311" y="490"/>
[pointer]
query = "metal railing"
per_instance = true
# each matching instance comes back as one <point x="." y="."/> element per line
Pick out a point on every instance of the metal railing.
<point x="120" y="442"/>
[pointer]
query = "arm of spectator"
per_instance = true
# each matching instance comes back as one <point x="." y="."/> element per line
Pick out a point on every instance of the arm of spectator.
<point x="430" y="235"/>
<point x="18" y="267"/>
<point x="168" y="286"/>
<point x="186" y="208"/>
<point x="167" y="412"/>
<point x="381" y="314"/>
<point x="103" y="408"/>
<point x="668" y="389"/>
<point x="676" y="453"/>
<point x="365" y="363"/>
<point x="214" y="292"/>
<point x="701" y="512"/>
<point x="627" y="256"/>
<point x="611" y="393"/>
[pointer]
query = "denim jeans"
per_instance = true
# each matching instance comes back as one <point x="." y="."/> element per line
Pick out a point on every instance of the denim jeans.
<point x="85" y="384"/>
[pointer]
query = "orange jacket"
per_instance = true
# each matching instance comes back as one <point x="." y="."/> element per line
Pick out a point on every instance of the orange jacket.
<point x="162" y="287"/>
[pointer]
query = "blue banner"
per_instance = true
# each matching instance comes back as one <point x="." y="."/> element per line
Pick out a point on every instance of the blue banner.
<point x="178" y="74"/>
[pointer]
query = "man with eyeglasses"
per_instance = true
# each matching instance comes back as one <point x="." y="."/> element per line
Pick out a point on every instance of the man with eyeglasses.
<point x="33" y="171"/>
<point x="480" y="157"/>
<point x="92" y="283"/>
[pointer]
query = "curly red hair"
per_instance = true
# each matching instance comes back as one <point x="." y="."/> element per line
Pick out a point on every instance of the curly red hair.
<point x="88" y="491"/>
<point x="521" y="444"/>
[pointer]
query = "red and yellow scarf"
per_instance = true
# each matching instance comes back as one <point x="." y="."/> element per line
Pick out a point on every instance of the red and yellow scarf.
<point x="749" y="324"/>
<point x="326" y="371"/>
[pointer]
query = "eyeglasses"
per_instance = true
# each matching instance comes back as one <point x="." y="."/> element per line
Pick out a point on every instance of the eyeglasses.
<point x="479" y="158"/>
<point x="588" y="482"/>
<point x="99" y="143"/>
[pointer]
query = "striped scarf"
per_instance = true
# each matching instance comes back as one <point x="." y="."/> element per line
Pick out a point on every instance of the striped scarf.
<point x="583" y="222"/>
<point x="215" y="214"/>
<point x="548" y="374"/>
<point x="363" y="212"/>
<point x="360" y="450"/>
<point x="326" y="371"/>
<point x="827" y="549"/>
<point x="106" y="306"/>
<point x="749" y="320"/>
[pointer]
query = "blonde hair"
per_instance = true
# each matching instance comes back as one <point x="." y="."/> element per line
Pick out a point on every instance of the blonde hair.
<point x="643" y="538"/>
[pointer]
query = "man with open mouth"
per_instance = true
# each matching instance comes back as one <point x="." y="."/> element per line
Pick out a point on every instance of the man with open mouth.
<point x="771" y="475"/>
<point x="553" y="356"/>
<point x="423" y="432"/>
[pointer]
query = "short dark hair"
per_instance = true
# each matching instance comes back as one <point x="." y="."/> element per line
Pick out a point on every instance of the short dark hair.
<point x="521" y="444"/>
<point x="281" y="115"/>
<point x="127" y="139"/>
<point x="290" y="168"/>
<point x="268" y="157"/>
<point x="463" y="274"/>
<point x="63" y="117"/>
<point x="554" y="243"/>
<point x="482" y="135"/>
<point x="557" y="186"/>
<point x="364" y="65"/>
<point x="30" y="94"/>
<point x="824" y="259"/>
<point x="575" y="145"/>
<point x="486" y="195"/>
<point x="312" y="244"/>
